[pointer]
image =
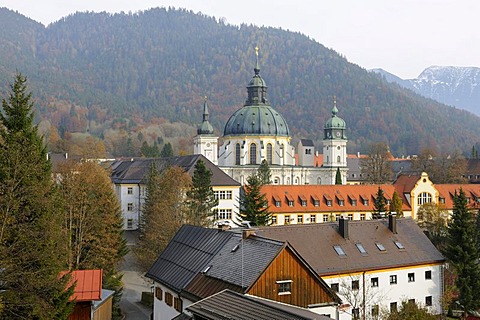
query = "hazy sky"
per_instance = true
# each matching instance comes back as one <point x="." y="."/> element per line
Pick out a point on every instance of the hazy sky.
<point x="401" y="36"/>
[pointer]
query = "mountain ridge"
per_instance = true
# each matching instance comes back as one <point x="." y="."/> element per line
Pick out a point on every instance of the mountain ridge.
<point x="96" y="72"/>
<point x="451" y="85"/>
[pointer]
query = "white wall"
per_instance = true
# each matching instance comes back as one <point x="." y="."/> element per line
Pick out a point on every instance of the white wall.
<point x="386" y="293"/>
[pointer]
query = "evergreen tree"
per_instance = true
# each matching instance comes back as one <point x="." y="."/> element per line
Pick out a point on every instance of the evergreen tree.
<point x="338" y="177"/>
<point x="167" y="151"/>
<point x="163" y="213"/>
<point x="32" y="252"/>
<point x="396" y="205"/>
<point x="264" y="173"/>
<point x="462" y="251"/>
<point x="380" y="204"/>
<point x="201" y="198"/>
<point x="253" y="204"/>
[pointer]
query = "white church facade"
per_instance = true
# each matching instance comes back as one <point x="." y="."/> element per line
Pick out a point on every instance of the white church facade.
<point x="258" y="132"/>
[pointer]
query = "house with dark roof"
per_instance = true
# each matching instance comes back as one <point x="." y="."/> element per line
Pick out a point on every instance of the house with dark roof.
<point x="200" y="262"/>
<point x="373" y="265"/>
<point x="130" y="178"/>
<point x="228" y="304"/>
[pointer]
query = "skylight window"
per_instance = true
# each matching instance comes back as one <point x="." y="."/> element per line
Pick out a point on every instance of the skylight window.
<point x="399" y="245"/>
<point x="339" y="250"/>
<point x="380" y="246"/>
<point x="361" y="248"/>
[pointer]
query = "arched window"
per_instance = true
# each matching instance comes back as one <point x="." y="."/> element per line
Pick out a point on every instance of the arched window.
<point x="338" y="159"/>
<point x="424" y="197"/>
<point x="269" y="153"/>
<point x="253" y="153"/>
<point x="237" y="154"/>
<point x="276" y="180"/>
<point x="319" y="180"/>
<point x="296" y="180"/>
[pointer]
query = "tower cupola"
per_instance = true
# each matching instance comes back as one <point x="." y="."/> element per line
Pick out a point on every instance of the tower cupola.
<point x="205" y="127"/>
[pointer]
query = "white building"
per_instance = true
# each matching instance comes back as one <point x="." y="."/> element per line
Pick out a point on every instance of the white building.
<point x="373" y="265"/>
<point x="130" y="178"/>
<point x="258" y="132"/>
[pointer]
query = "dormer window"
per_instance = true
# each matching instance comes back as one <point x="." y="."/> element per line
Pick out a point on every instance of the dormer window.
<point x="290" y="203"/>
<point x="329" y="203"/>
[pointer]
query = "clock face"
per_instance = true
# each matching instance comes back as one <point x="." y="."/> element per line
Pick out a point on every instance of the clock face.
<point x="338" y="134"/>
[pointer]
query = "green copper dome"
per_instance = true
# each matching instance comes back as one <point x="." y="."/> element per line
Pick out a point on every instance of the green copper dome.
<point x="335" y="122"/>
<point x="257" y="117"/>
<point x="257" y="120"/>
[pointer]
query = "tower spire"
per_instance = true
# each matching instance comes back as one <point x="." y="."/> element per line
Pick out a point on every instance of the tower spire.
<point x="334" y="109"/>
<point x="257" y="67"/>
<point x="205" y="127"/>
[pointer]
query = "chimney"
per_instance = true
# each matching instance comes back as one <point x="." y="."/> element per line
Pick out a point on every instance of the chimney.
<point x="343" y="227"/>
<point x="392" y="222"/>
<point x="247" y="233"/>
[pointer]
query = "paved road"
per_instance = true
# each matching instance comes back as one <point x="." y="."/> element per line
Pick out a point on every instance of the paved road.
<point x="134" y="284"/>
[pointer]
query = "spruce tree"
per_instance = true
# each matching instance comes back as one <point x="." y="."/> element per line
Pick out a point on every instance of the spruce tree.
<point x="380" y="204"/>
<point x="264" y="173"/>
<point x="167" y="151"/>
<point x="32" y="251"/>
<point x="253" y="204"/>
<point x="201" y="198"/>
<point x="462" y="251"/>
<point x="338" y="177"/>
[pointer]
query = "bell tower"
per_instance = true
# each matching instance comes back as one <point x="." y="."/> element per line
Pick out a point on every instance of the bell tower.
<point x="335" y="144"/>
<point x="205" y="142"/>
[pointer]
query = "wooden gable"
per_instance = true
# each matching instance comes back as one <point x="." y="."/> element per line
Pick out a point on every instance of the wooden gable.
<point x="287" y="270"/>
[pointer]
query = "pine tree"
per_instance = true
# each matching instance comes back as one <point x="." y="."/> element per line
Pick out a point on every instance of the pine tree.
<point x="254" y="205"/>
<point x="264" y="173"/>
<point x="201" y="198"/>
<point x="462" y="251"/>
<point x="380" y="204"/>
<point x="163" y="213"/>
<point x="338" y="177"/>
<point x="32" y="252"/>
<point x="167" y="151"/>
<point x="396" y="205"/>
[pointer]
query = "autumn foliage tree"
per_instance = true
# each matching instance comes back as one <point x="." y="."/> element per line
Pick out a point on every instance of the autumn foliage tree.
<point x="32" y="252"/>
<point x="163" y="213"/>
<point x="376" y="167"/>
<point x="92" y="221"/>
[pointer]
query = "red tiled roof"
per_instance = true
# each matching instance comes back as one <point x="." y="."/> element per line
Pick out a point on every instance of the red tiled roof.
<point x="447" y="191"/>
<point x="405" y="183"/>
<point x="88" y="285"/>
<point x="324" y="193"/>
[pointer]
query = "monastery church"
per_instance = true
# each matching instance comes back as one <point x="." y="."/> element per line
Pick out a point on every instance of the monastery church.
<point x="258" y="132"/>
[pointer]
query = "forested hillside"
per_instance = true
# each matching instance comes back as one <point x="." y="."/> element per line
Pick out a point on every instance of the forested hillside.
<point x="129" y="78"/>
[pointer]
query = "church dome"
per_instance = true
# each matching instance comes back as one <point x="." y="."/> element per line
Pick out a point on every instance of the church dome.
<point x="257" y="120"/>
<point x="335" y="122"/>
<point x="257" y="117"/>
